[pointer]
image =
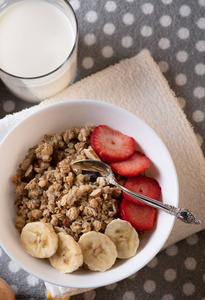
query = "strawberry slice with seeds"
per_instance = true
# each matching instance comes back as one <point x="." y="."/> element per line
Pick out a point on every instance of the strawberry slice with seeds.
<point x="111" y="145"/>
<point x="142" y="218"/>
<point x="135" y="165"/>
<point x="143" y="185"/>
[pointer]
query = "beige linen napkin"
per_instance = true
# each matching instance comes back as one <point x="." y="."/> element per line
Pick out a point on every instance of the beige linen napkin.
<point x="136" y="84"/>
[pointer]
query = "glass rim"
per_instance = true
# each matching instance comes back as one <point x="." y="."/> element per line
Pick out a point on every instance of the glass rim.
<point x="63" y="63"/>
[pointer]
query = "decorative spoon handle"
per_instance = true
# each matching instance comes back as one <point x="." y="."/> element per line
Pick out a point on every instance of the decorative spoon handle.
<point x="104" y="170"/>
<point x="181" y="213"/>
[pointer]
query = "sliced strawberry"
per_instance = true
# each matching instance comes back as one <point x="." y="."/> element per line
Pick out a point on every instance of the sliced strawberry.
<point x="135" y="165"/>
<point x="111" y="145"/>
<point x="143" y="185"/>
<point x="140" y="217"/>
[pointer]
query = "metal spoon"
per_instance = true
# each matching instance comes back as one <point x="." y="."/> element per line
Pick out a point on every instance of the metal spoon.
<point x="97" y="166"/>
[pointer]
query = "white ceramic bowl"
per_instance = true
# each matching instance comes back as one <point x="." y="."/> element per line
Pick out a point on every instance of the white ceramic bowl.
<point x="55" y="119"/>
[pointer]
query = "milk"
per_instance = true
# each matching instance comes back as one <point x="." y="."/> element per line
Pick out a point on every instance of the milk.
<point x="37" y="38"/>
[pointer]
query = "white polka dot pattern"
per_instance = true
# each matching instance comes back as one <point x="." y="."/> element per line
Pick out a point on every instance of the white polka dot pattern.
<point x="111" y="287"/>
<point x="75" y="4"/>
<point x="188" y="289"/>
<point x="128" y="19"/>
<point x="181" y="79"/>
<point x="109" y="28"/>
<point x="199" y="139"/>
<point x="185" y="10"/>
<point x="198" y="116"/>
<point x="147" y="8"/>
<point x="172" y="250"/>
<point x="107" y="51"/>
<point x="170" y="275"/>
<point x="192" y="240"/>
<point x="182" y="102"/>
<point x="174" y="33"/>
<point x="165" y="21"/>
<point x="110" y="6"/>
<point x="190" y="263"/>
<point x="149" y="286"/>
<point x="200" y="46"/>
<point x="164" y="43"/>
<point x="202" y="2"/>
<point x="201" y="23"/>
<point x="183" y="33"/>
<point x="128" y="296"/>
<point x="89" y="39"/>
<point x="163" y="65"/>
<point x="13" y="267"/>
<point x="153" y="263"/>
<point x="133" y="276"/>
<point x="182" y="56"/>
<point x="199" y="92"/>
<point x="200" y="69"/>
<point x="32" y="281"/>
<point x="9" y="106"/>
<point x="88" y="62"/>
<point x="127" y="41"/>
<point x="167" y="1"/>
<point x="146" y="31"/>
<point x="91" y="16"/>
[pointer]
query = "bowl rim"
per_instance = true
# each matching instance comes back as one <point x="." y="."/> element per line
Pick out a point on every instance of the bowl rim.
<point x="158" y="247"/>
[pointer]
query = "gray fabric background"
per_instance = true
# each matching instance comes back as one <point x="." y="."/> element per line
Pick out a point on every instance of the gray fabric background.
<point x="179" y="271"/>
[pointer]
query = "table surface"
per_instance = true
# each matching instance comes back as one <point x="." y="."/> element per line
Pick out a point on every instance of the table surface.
<point x="174" y="33"/>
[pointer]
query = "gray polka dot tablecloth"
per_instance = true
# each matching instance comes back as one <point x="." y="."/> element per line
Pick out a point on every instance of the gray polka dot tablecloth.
<point x="109" y="31"/>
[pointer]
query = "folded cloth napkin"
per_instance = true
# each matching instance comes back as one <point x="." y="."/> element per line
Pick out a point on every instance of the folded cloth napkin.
<point x="136" y="84"/>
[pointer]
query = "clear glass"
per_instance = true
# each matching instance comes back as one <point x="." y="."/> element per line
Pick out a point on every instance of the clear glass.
<point x="36" y="89"/>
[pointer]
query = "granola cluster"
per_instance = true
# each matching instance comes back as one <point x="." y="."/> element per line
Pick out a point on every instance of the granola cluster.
<point x="48" y="190"/>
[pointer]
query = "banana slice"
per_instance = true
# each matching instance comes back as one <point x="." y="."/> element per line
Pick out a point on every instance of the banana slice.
<point x="68" y="256"/>
<point x="124" y="236"/>
<point x="59" y="229"/>
<point x="39" y="239"/>
<point x="99" y="252"/>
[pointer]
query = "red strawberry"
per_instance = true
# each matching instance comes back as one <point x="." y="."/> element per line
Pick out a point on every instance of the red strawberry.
<point x="111" y="145"/>
<point x="135" y="165"/>
<point x="144" y="185"/>
<point x="140" y="217"/>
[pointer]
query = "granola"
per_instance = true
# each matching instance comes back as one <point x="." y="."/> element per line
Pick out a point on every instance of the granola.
<point x="47" y="189"/>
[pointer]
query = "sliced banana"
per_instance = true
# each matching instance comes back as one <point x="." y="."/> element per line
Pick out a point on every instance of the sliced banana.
<point x="39" y="239"/>
<point x="124" y="236"/>
<point x="99" y="252"/>
<point x="68" y="257"/>
<point x="59" y="229"/>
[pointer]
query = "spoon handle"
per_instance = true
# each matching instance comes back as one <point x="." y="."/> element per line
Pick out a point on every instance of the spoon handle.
<point x="181" y="213"/>
<point x="97" y="166"/>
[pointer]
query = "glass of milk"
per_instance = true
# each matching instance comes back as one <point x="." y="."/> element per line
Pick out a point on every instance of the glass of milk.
<point x="38" y="47"/>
